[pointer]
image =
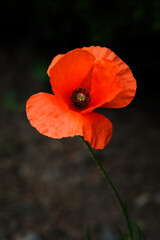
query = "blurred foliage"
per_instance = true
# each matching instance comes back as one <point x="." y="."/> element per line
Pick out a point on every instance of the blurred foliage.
<point x="130" y="28"/>
<point x="10" y="101"/>
<point x="97" y="22"/>
<point x="38" y="71"/>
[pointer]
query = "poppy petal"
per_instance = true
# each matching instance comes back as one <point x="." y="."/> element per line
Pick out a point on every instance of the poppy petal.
<point x="54" y="61"/>
<point x="105" y="83"/>
<point x="126" y="79"/>
<point x="99" y="52"/>
<point x="68" y="73"/>
<point x="52" y="118"/>
<point x="97" y="130"/>
<point x="128" y="88"/>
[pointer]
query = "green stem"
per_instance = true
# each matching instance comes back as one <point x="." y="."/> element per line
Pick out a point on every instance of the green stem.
<point x="123" y="205"/>
<point x="88" y="233"/>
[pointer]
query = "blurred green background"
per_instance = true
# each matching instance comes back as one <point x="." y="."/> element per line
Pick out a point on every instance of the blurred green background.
<point x="49" y="189"/>
<point x="130" y="28"/>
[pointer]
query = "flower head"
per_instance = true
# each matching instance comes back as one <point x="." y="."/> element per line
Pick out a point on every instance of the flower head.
<point x="82" y="80"/>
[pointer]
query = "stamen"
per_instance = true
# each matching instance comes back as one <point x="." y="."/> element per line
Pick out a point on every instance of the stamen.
<point x="80" y="98"/>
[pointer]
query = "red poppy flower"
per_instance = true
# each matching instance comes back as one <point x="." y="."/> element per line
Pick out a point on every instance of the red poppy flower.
<point x="82" y="80"/>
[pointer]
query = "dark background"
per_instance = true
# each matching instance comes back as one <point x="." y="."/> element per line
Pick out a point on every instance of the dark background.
<point x="51" y="189"/>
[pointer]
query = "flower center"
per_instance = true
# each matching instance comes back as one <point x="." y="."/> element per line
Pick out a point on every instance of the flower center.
<point x="80" y="98"/>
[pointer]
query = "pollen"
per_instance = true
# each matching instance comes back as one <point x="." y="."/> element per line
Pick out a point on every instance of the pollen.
<point x="80" y="98"/>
